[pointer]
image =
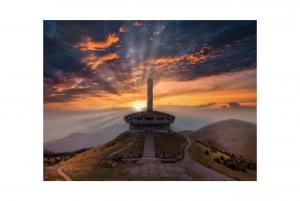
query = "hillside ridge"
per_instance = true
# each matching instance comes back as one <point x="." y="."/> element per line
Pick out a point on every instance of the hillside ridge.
<point x="232" y="135"/>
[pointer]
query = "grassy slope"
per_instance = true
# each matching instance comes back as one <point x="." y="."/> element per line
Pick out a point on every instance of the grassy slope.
<point x="168" y="142"/>
<point x="197" y="152"/>
<point x="234" y="136"/>
<point x="94" y="164"/>
<point x="50" y="174"/>
<point x="89" y="164"/>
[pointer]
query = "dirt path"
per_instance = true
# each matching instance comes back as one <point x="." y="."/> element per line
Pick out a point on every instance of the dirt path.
<point x="64" y="175"/>
<point x="194" y="166"/>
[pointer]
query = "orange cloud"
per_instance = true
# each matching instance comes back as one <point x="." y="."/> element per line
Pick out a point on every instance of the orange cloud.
<point x="89" y="44"/>
<point x="93" y="62"/>
<point x="122" y="29"/>
<point x="195" y="58"/>
<point x="199" y="56"/>
<point x="104" y="100"/>
<point x="219" y="89"/>
<point x="69" y="81"/>
<point x="137" y="24"/>
<point x="164" y="60"/>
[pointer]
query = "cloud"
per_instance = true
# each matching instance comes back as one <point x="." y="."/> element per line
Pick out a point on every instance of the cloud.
<point x="122" y="29"/>
<point x="233" y="105"/>
<point x="93" y="61"/>
<point x="137" y="24"/>
<point x="167" y="60"/>
<point x="206" y="105"/>
<point x="118" y="56"/>
<point x="199" y="56"/>
<point x="237" y="31"/>
<point x="89" y="44"/>
<point x="59" y="98"/>
<point x="206" y="62"/>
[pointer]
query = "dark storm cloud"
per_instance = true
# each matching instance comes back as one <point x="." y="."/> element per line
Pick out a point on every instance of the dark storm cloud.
<point x="118" y="56"/>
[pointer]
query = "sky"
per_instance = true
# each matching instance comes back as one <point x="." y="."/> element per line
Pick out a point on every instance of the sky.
<point x="106" y="64"/>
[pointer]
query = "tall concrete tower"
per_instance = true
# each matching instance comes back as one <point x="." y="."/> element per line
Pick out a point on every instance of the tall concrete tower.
<point x="150" y="120"/>
<point x="149" y="94"/>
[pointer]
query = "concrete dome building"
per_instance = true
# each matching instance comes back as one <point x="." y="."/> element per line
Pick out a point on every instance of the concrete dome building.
<point x="150" y="120"/>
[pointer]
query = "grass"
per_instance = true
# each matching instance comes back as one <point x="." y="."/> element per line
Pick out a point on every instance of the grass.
<point x="95" y="164"/>
<point x="199" y="177"/>
<point x="51" y="159"/>
<point x="198" y="153"/>
<point x="234" y="136"/>
<point x="50" y="174"/>
<point x="168" y="142"/>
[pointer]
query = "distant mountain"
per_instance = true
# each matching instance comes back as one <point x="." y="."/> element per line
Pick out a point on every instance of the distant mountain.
<point x="234" y="136"/>
<point x="78" y="141"/>
<point x="188" y="123"/>
<point x="47" y="152"/>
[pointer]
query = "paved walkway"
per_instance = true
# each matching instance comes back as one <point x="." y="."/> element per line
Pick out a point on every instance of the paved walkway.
<point x="158" y="171"/>
<point x="64" y="175"/>
<point x="196" y="167"/>
<point x="149" y="149"/>
<point x="150" y="168"/>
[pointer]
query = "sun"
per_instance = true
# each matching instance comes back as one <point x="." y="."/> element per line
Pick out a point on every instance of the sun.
<point x="138" y="105"/>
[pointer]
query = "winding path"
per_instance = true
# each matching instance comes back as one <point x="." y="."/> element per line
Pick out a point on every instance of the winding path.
<point x="193" y="166"/>
<point x="61" y="173"/>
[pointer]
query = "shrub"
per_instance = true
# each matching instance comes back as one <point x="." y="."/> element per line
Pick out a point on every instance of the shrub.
<point x="217" y="160"/>
<point x="106" y="164"/>
<point x="206" y="152"/>
<point x="236" y="165"/>
<point x="117" y="158"/>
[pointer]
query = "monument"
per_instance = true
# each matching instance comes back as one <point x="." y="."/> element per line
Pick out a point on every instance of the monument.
<point x="149" y="120"/>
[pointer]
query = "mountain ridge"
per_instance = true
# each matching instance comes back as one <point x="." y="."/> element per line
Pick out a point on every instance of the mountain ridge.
<point x="232" y="135"/>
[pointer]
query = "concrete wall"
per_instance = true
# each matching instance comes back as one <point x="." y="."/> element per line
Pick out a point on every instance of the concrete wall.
<point x="154" y="128"/>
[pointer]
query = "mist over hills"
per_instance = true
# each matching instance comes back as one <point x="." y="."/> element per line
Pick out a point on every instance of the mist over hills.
<point x="73" y="130"/>
<point x="77" y="141"/>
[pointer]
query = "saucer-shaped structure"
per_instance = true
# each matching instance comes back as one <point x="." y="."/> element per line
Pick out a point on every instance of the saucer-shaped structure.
<point x="149" y="121"/>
